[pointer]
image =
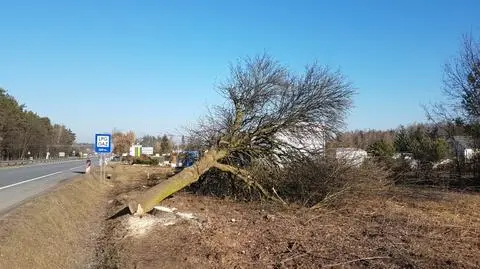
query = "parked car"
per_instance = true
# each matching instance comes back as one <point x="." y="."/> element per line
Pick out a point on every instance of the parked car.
<point x="187" y="158"/>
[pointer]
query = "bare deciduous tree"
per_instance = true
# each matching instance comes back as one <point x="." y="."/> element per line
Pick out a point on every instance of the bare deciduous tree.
<point x="462" y="88"/>
<point x="461" y="113"/>
<point x="462" y="80"/>
<point x="270" y="116"/>
<point x="122" y="141"/>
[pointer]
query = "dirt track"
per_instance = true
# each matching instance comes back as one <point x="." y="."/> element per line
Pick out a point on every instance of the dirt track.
<point x="398" y="228"/>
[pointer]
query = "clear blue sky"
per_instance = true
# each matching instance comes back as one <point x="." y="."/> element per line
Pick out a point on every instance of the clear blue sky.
<point x="152" y="66"/>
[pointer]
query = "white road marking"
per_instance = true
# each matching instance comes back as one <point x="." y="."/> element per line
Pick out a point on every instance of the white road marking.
<point x="37" y="164"/>
<point x="28" y="180"/>
<point x="71" y="169"/>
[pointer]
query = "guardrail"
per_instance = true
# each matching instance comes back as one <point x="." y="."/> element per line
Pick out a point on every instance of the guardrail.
<point x="35" y="161"/>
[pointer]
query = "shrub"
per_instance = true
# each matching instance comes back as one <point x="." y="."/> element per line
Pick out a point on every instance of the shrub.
<point x="307" y="182"/>
<point x="324" y="181"/>
<point x="145" y="160"/>
<point x="381" y="149"/>
<point x="425" y="147"/>
<point x="221" y="184"/>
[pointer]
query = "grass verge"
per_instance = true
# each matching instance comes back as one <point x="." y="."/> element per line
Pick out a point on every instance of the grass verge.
<point x="54" y="230"/>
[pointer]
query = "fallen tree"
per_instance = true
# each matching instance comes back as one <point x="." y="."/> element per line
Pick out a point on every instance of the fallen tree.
<point x="271" y="116"/>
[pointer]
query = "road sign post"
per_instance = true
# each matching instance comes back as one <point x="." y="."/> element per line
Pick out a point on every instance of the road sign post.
<point x="103" y="144"/>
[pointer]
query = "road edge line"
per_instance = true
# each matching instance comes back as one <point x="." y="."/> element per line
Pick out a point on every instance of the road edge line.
<point x="28" y="180"/>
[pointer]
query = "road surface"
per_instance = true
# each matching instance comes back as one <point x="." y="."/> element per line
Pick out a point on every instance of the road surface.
<point x="20" y="183"/>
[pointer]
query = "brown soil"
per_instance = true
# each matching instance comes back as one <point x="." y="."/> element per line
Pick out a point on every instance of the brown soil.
<point x="396" y="228"/>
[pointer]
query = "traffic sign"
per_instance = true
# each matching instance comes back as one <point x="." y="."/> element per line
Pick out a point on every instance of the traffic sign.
<point x="103" y="143"/>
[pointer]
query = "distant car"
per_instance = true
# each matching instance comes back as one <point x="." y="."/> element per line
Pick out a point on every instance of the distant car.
<point x="187" y="158"/>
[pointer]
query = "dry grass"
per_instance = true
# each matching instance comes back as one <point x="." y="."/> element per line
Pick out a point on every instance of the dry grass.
<point x="419" y="228"/>
<point x="387" y="228"/>
<point x="56" y="230"/>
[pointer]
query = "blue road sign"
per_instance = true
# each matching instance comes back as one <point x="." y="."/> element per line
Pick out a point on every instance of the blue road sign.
<point x="103" y="143"/>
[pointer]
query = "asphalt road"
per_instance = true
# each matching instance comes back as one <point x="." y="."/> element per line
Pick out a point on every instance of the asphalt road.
<point x="20" y="183"/>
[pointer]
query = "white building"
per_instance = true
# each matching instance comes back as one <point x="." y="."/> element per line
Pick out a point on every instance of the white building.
<point x="314" y="143"/>
<point x="464" y="147"/>
<point x="351" y="156"/>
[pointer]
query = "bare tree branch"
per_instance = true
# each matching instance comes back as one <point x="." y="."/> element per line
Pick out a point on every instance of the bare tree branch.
<point x="245" y="176"/>
<point x="271" y="117"/>
<point x="462" y="80"/>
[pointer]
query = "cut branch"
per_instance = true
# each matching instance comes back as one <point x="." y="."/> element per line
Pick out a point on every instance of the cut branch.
<point x="246" y="177"/>
<point x="354" y="261"/>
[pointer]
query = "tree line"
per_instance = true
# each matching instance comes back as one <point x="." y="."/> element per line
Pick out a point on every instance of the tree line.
<point x="161" y="144"/>
<point x="361" y="139"/>
<point x="425" y="142"/>
<point x="122" y="141"/>
<point x="24" y="133"/>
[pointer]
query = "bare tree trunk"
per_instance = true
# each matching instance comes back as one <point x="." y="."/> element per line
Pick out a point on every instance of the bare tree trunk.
<point x="147" y="200"/>
<point x="26" y="142"/>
